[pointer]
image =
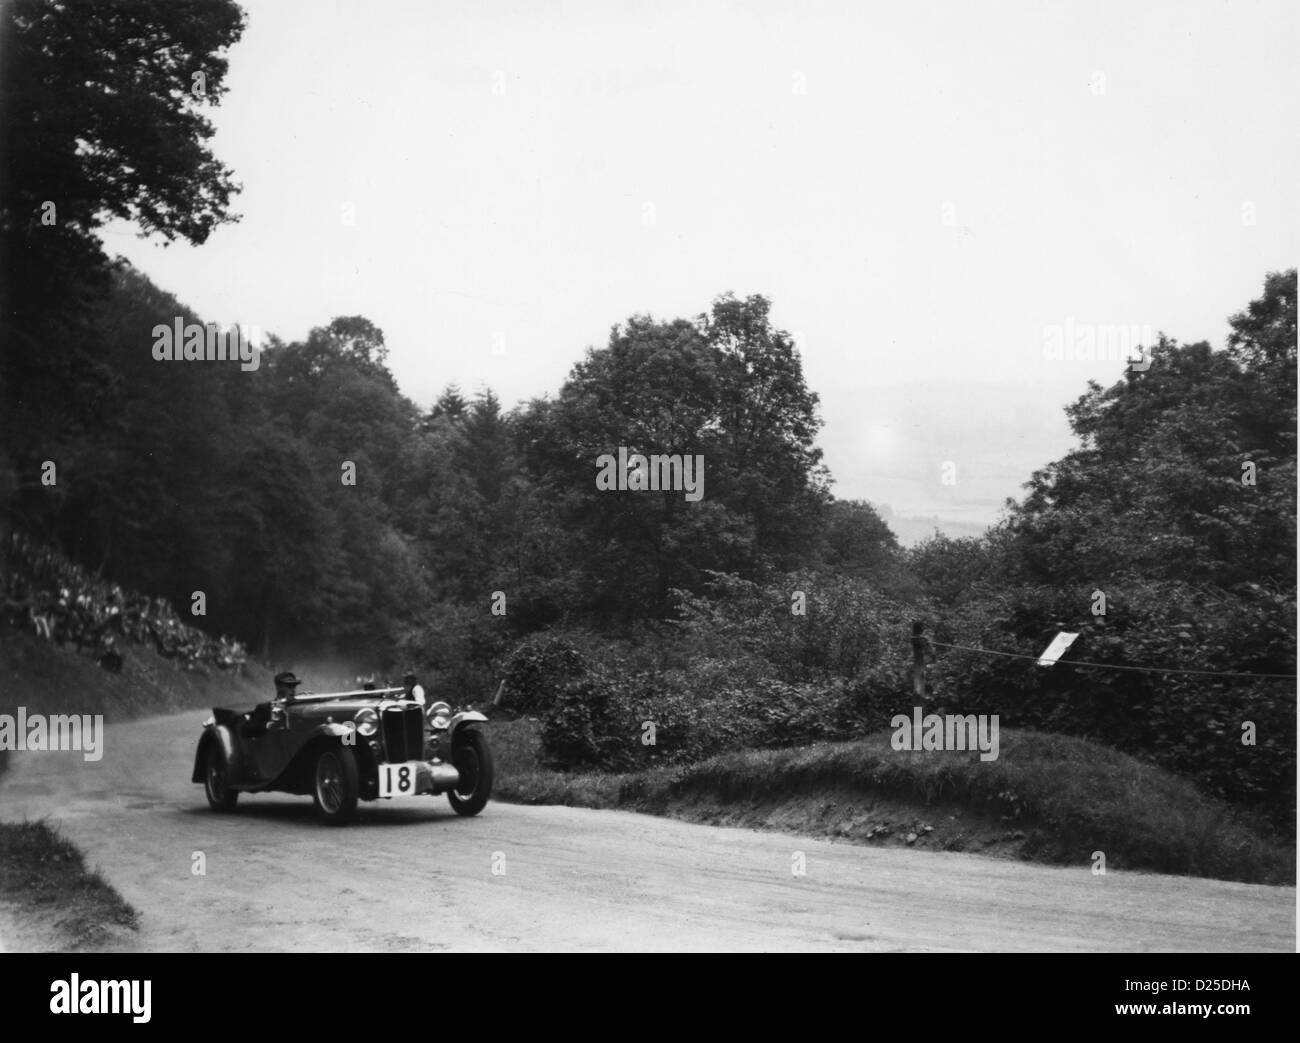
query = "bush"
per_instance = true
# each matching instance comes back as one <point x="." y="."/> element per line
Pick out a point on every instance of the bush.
<point x="619" y="722"/>
<point x="741" y="671"/>
<point x="453" y="652"/>
<point x="1188" y="723"/>
<point x="580" y="727"/>
<point x="539" y="671"/>
<point x="807" y="627"/>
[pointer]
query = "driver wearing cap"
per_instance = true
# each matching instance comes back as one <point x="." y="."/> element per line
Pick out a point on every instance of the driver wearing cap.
<point x="263" y="714"/>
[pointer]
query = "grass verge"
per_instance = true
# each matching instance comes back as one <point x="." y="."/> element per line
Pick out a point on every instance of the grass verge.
<point x="1047" y="798"/>
<point x="53" y="901"/>
<point x="60" y="903"/>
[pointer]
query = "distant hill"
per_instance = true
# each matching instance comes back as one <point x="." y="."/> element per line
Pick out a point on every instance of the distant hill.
<point x="912" y="529"/>
<point x="892" y="447"/>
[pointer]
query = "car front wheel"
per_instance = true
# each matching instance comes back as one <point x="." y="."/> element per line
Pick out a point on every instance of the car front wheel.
<point x="336" y="785"/>
<point x="216" y="780"/>
<point x="472" y="758"/>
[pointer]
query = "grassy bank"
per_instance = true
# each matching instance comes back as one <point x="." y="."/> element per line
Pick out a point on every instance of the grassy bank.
<point x="51" y="897"/>
<point x="1047" y="798"/>
<point x="46" y="678"/>
<point x="38" y="673"/>
<point x="56" y="901"/>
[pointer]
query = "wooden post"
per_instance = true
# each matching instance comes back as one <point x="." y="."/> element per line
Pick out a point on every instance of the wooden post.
<point x="920" y="646"/>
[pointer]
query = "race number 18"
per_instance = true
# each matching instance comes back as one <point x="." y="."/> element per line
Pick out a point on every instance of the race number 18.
<point x="397" y="780"/>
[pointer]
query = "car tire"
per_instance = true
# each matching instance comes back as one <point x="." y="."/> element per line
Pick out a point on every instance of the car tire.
<point x="471" y="756"/>
<point x="216" y="779"/>
<point x="335" y="784"/>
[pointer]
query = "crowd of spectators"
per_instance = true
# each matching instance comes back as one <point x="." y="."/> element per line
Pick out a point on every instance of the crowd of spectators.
<point x="60" y="601"/>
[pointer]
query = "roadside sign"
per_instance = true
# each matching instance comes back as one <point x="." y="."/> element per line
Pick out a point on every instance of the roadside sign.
<point x="1057" y="648"/>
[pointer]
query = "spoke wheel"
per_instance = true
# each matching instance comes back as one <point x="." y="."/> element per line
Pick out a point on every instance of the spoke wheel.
<point x="336" y="784"/>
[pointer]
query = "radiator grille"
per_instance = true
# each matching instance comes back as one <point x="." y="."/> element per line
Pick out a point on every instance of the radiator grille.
<point x="403" y="731"/>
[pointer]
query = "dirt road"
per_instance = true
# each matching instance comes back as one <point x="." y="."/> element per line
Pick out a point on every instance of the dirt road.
<point x="415" y="877"/>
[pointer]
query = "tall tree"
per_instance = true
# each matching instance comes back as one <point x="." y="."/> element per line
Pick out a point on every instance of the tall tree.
<point x="451" y="404"/>
<point x="101" y="117"/>
<point x="857" y="540"/>
<point x="1184" y="471"/>
<point x="727" y="387"/>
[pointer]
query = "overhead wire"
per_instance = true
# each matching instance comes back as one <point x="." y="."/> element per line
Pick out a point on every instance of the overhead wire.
<point x="1115" y="666"/>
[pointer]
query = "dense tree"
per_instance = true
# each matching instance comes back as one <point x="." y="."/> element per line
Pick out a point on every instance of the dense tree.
<point x="1263" y="337"/>
<point x="451" y="404"/>
<point x="488" y="453"/>
<point x="727" y="387"/>
<point x="100" y="118"/>
<point x="767" y="427"/>
<point x="857" y="540"/>
<point x="1184" y="471"/>
<point x="951" y="570"/>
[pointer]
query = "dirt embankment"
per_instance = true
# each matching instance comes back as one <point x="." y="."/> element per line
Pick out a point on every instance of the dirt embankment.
<point x="49" y="897"/>
<point x="1048" y="798"/>
<point x="48" y="678"/>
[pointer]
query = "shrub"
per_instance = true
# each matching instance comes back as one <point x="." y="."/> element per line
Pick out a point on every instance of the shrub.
<point x="539" y="671"/>
<point x="1188" y="723"/>
<point x="741" y="671"/>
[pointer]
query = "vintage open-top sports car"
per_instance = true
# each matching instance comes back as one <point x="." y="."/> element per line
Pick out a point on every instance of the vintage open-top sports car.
<point x="343" y="747"/>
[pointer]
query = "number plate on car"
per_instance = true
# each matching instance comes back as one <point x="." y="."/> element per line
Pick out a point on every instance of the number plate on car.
<point x="398" y="780"/>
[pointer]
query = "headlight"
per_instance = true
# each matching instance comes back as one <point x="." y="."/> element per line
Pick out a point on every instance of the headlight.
<point x="367" y="721"/>
<point x="440" y="715"/>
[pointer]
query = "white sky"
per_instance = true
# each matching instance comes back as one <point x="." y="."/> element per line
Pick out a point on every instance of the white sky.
<point x="526" y="175"/>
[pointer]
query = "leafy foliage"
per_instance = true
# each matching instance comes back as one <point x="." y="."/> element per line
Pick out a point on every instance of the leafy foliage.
<point x="727" y="387"/>
<point x="1191" y="724"/>
<point x="103" y="118"/>
<point x="765" y="614"/>
<point x="1187" y="470"/>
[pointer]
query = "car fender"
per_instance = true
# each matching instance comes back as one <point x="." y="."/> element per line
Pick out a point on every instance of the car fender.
<point x="212" y="732"/>
<point x="294" y="774"/>
<point x="336" y="728"/>
<point x="311" y="740"/>
<point x="464" y="717"/>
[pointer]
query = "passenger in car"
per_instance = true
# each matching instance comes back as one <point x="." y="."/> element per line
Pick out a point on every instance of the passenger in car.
<point x="413" y="690"/>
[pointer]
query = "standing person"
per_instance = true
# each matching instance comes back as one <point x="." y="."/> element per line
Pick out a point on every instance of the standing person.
<point x="413" y="690"/>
